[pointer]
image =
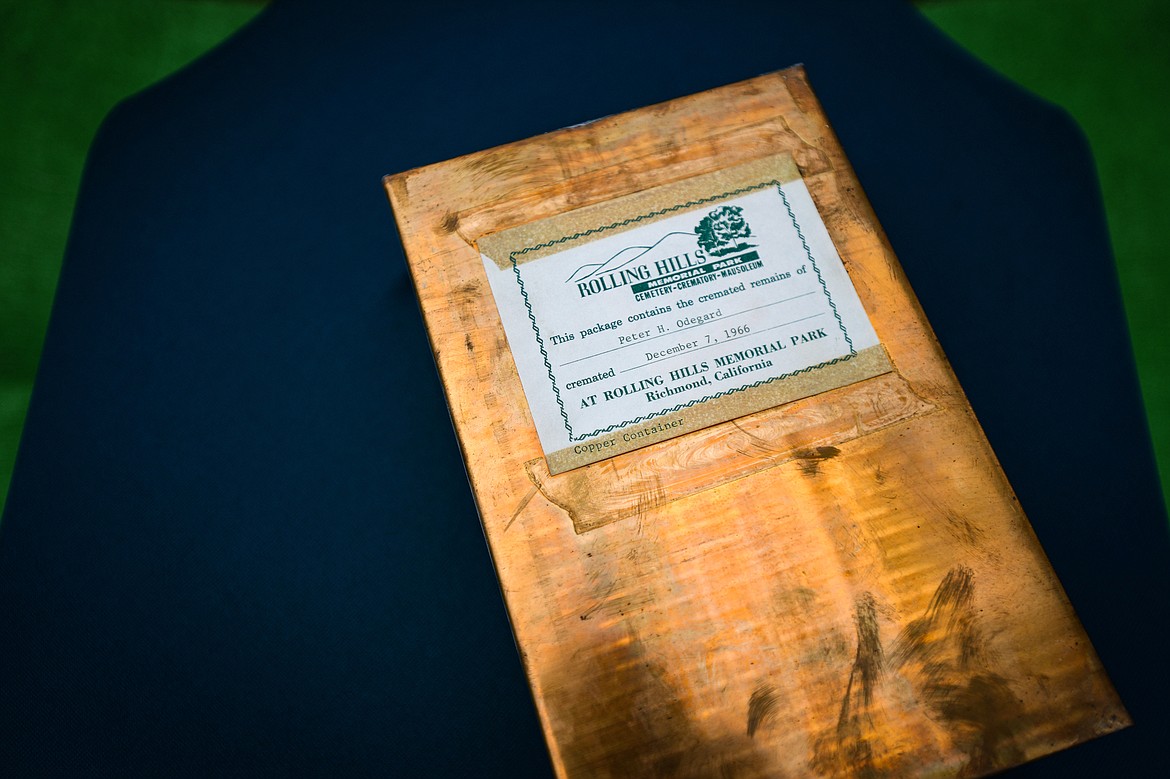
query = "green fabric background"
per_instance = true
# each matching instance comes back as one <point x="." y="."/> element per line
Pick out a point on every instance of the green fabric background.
<point x="63" y="66"/>
<point x="65" y="63"/>
<point x="1108" y="65"/>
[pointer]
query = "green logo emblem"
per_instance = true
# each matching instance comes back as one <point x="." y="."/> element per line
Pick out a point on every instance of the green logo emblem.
<point x="723" y="231"/>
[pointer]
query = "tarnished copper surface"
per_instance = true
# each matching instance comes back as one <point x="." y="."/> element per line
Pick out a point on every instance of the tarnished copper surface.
<point x="840" y="586"/>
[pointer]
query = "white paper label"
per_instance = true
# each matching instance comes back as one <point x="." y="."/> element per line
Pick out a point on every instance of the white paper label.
<point x="667" y="321"/>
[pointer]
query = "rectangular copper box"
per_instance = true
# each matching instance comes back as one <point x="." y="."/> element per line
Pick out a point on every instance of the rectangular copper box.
<point x="843" y="585"/>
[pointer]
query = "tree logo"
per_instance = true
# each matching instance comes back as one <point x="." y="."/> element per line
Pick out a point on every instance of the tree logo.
<point x="723" y="231"/>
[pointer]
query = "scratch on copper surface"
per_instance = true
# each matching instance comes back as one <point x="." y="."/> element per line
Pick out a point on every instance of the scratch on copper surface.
<point x="762" y="444"/>
<point x="854" y="745"/>
<point x="944" y="653"/>
<point x="650" y="498"/>
<point x="962" y="528"/>
<point x="599" y="600"/>
<point x="469" y="289"/>
<point x="521" y="506"/>
<point x="762" y="708"/>
<point x="497" y="164"/>
<point x="867" y="665"/>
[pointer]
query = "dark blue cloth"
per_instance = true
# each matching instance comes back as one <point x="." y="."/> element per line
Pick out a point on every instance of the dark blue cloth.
<point x="239" y="536"/>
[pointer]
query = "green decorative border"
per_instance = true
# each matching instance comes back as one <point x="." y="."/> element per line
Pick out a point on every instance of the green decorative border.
<point x="633" y="220"/>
